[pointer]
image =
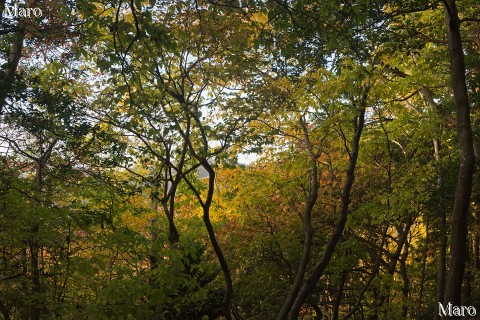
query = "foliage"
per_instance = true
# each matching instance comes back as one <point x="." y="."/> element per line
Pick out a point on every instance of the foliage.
<point x="125" y="192"/>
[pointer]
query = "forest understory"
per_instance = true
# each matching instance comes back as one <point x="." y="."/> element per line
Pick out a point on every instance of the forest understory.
<point x="239" y="159"/>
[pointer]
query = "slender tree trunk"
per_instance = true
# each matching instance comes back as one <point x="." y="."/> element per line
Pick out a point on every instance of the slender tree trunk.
<point x="34" y="246"/>
<point x="228" y="292"/>
<point x="169" y="193"/>
<point x="338" y="298"/>
<point x="33" y="243"/>
<point x="205" y="204"/>
<point x="154" y="233"/>
<point x="24" y="285"/>
<point x="402" y="246"/>
<point x="35" y="308"/>
<point x="7" y="75"/>
<point x="320" y="267"/>
<point x="307" y="224"/>
<point x="459" y="220"/>
<point x="424" y="266"/>
<point x="406" y="281"/>
<point x="173" y="235"/>
<point x="376" y="297"/>
<point x="373" y="275"/>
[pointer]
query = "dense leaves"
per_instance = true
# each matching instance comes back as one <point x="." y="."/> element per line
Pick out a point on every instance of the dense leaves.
<point x="244" y="159"/>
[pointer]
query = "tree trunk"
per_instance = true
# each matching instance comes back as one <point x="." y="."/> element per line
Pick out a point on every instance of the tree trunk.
<point x="173" y="235"/>
<point x="35" y="308"/>
<point x="399" y="254"/>
<point x="320" y="267"/>
<point x="338" y="298"/>
<point x="34" y="245"/>
<point x="307" y="224"/>
<point x="8" y="74"/>
<point x="424" y="266"/>
<point x="228" y="292"/>
<point x="459" y="220"/>
<point x="373" y="275"/>
<point x="406" y="281"/>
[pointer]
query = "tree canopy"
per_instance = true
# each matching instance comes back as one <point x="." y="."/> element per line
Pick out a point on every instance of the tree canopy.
<point x="220" y="159"/>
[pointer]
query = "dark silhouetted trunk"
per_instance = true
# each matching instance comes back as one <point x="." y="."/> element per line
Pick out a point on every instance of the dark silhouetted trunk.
<point x="228" y="292"/>
<point x="320" y="267"/>
<point x="307" y="224"/>
<point x="7" y="75"/>
<point x="459" y="220"/>
<point x="338" y="298"/>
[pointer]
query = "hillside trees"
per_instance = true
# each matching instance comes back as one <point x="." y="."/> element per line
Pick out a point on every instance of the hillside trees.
<point x="122" y="192"/>
<point x="364" y="25"/>
<point x="24" y="36"/>
<point x="42" y="128"/>
<point x="176" y="97"/>
<point x="315" y="46"/>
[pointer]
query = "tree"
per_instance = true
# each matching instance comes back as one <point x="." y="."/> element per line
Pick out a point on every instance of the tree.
<point x="459" y="222"/>
<point x="122" y="188"/>
<point x="174" y="90"/>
